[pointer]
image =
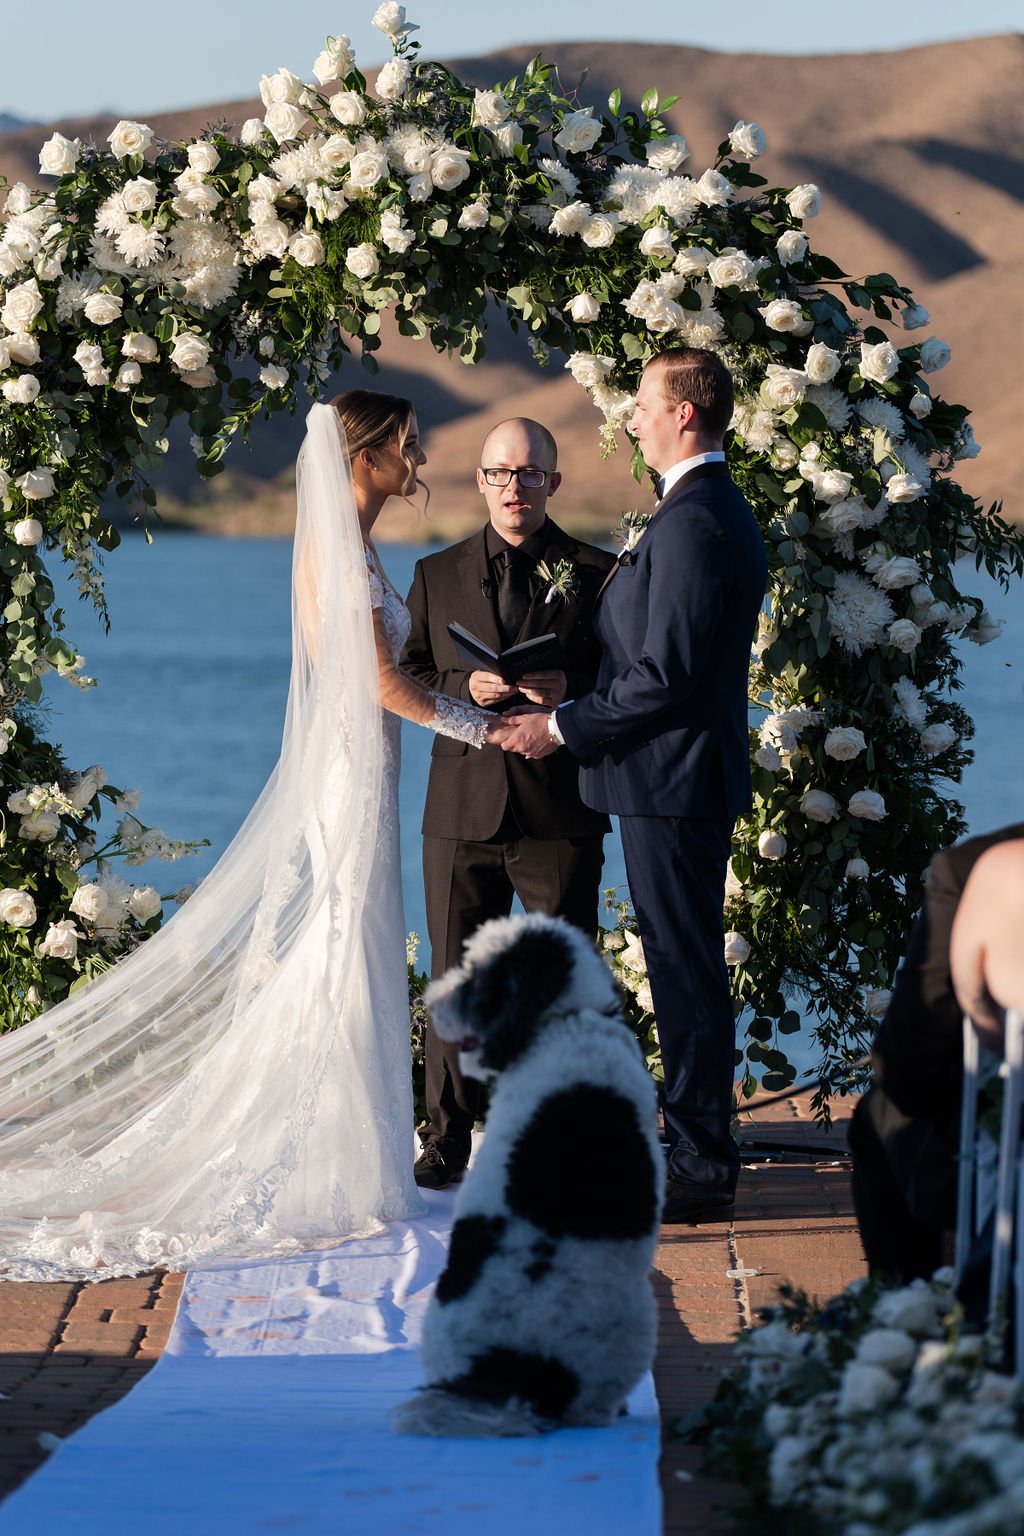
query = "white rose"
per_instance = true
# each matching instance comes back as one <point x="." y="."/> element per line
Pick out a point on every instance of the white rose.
<point x="474" y="216"/>
<point x="902" y="487"/>
<point x="898" y="571"/>
<point x="904" y="635"/>
<point x="348" y="107"/>
<point x="832" y="485"/>
<point x="878" y="362"/>
<point x="692" y="262"/>
<point x="59" y="156"/>
<point x="22" y="390"/>
<point x="818" y="805"/>
<point x="589" y="369"/>
<point x="667" y="152"/>
<point x="190" y="352"/>
<point x="200" y="378"/>
<point x="578" y="133"/>
<point x="937" y="738"/>
<point x="393" y="79"/>
<point x="714" y="190"/>
<point x="985" y="629"/>
<point x="362" y="260"/>
<point x="783" y="387"/>
<point x="733" y="887"/>
<point x="733" y="269"/>
<point x="857" y="869"/>
<point x="130" y="138"/>
<point x="128" y="375"/>
<point x="772" y="845"/>
<point x="281" y="87"/>
<point x="284" y="121"/>
<point x="490" y="108"/>
<point x="449" y="167"/>
<point x="572" y="219"/>
<point x="920" y="405"/>
<point x="420" y="187"/>
<point x="36" y="484"/>
<point x="307" y="248"/>
<point x="139" y="195"/>
<point x="914" y="317"/>
<point x="27" y="532"/>
<point x="103" y="308"/>
<point x="822" y="363"/>
<point x="144" y="903"/>
<point x="21" y="306"/>
<point x="366" y="169"/>
<point x="390" y="18"/>
<point x="274" y="376"/>
<point x="935" y="354"/>
<point x="737" y="950"/>
<point x="396" y="236"/>
<point x="844" y="743"/>
<point x="336" y="60"/>
<point x="868" y="805"/>
<point x="203" y="156"/>
<point x="506" y="138"/>
<point x="584" y="308"/>
<point x="91" y="903"/>
<point x="865" y="1389"/>
<point x="804" y="201"/>
<point x="791" y="247"/>
<point x="61" y="942"/>
<point x="786" y="315"/>
<point x="600" y="230"/>
<point x="22" y="347"/>
<point x="137" y="345"/>
<point x="252" y="131"/>
<point x="768" y="757"/>
<point x="748" y="140"/>
<point x="40" y="827"/>
<point x="912" y="1309"/>
<point x="17" y="908"/>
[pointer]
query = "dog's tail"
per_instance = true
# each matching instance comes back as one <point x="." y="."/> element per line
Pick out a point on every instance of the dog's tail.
<point x="449" y="1414"/>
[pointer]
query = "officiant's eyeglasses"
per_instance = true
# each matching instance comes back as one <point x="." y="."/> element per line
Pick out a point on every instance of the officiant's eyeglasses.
<point x="529" y="479"/>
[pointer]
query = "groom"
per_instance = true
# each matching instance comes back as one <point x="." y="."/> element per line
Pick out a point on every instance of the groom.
<point x="663" y="742"/>
<point x="494" y="826"/>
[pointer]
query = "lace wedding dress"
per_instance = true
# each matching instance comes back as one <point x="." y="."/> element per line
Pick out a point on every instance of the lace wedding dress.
<point x="240" y="1084"/>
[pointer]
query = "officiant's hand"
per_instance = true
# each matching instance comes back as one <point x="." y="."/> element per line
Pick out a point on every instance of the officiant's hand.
<point x="530" y="738"/>
<point x="545" y="688"/>
<point x="487" y="689"/>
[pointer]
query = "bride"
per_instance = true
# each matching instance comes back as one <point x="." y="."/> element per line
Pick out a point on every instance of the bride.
<point x="240" y="1084"/>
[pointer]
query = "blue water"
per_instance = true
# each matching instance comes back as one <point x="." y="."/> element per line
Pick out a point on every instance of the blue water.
<point x="193" y="677"/>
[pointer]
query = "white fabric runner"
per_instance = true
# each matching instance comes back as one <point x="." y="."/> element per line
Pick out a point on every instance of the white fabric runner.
<point x="270" y="1411"/>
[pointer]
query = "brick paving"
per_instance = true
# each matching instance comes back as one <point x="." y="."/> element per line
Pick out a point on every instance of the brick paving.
<point x="69" y="1351"/>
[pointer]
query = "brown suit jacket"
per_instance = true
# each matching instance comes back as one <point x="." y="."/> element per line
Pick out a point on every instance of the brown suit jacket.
<point x="469" y="792"/>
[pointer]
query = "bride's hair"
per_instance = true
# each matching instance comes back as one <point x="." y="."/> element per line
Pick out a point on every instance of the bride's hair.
<point x="372" y="419"/>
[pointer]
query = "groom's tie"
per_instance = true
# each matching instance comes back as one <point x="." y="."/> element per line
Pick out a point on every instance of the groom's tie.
<point x="513" y="594"/>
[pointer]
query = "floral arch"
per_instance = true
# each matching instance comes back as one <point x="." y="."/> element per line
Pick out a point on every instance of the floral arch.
<point x="127" y="292"/>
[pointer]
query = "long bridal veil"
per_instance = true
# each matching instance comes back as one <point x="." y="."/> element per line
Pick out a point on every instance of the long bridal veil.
<point x="215" y="1092"/>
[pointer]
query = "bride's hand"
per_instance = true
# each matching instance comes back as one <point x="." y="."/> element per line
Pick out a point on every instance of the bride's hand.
<point x="496" y="732"/>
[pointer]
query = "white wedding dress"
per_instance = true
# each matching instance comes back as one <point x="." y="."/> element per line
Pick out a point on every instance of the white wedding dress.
<point x="240" y="1084"/>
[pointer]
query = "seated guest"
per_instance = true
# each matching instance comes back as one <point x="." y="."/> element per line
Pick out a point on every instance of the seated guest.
<point x="986" y="953"/>
<point x="905" y="1130"/>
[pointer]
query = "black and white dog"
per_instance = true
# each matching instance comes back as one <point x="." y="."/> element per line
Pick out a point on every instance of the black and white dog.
<point x="544" y="1315"/>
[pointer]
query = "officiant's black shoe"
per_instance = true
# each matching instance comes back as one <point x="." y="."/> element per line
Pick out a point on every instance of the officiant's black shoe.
<point x="690" y="1204"/>
<point x="438" y="1165"/>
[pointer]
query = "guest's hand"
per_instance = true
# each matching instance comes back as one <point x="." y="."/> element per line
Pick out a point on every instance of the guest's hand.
<point x="487" y="689"/>
<point x="545" y="688"/>
<point x="530" y="737"/>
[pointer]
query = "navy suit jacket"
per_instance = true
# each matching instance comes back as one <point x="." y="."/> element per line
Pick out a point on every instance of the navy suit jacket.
<point x="664" y="732"/>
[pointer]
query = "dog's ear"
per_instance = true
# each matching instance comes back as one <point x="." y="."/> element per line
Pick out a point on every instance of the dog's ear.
<point x="446" y="1003"/>
<point x="508" y="991"/>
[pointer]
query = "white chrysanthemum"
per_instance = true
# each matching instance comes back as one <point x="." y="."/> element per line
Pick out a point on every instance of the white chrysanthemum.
<point x="851" y="513"/>
<point x="409" y="148"/>
<point x="139" y="245"/>
<point x="913" y="463"/>
<point x="561" y="175"/>
<point x="680" y="197"/>
<point x="105" y="256"/>
<point x="301" y="165"/>
<point x="615" y="405"/>
<point x="880" y="413"/>
<point x="206" y="287"/>
<point x="111" y="215"/>
<point x="73" y="292"/>
<point x="755" y="427"/>
<point x="908" y="703"/>
<point x="631" y="190"/>
<point x="833" y="404"/>
<point x="859" y="613"/>
<point x="572" y="219"/>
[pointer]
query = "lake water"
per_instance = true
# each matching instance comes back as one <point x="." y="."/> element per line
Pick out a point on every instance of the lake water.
<point x="193" y="677"/>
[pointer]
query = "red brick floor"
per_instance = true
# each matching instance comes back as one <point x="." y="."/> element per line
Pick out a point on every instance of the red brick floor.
<point x="68" y="1351"/>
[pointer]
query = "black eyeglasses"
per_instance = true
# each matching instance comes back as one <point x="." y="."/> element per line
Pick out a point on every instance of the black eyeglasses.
<point x="529" y="479"/>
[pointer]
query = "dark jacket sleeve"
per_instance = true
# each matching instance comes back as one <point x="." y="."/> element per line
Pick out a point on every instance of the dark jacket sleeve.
<point x="418" y="653"/>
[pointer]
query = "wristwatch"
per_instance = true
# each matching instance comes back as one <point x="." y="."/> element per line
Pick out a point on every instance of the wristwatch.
<point x="553" y="731"/>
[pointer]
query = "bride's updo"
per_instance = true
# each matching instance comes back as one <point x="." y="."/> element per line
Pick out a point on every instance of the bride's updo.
<point x="372" y="419"/>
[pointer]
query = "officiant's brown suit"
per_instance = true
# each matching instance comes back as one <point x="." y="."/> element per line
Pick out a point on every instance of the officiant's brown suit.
<point x="494" y="822"/>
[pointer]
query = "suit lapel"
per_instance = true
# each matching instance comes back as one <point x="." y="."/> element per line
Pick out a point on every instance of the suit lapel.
<point x="544" y="617"/>
<point x="713" y="471"/>
<point x="475" y="598"/>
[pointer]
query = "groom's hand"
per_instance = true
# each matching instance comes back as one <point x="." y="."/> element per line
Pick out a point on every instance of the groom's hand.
<point x="488" y="689"/>
<point x="545" y="688"/>
<point x="530" y="736"/>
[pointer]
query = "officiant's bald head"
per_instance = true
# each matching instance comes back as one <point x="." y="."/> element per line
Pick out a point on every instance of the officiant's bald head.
<point x="542" y="445"/>
<point x="519" y="452"/>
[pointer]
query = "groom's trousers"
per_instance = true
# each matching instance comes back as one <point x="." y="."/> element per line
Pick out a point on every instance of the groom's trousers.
<point x="465" y="884"/>
<point x="676" y="867"/>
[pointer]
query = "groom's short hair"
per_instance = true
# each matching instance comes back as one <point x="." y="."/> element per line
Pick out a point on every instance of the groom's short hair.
<point x="699" y="376"/>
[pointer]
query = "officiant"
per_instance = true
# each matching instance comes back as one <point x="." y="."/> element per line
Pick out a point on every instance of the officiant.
<point x="496" y="826"/>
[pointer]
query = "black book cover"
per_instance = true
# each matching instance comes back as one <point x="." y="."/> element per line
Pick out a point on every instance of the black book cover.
<point x="541" y="654"/>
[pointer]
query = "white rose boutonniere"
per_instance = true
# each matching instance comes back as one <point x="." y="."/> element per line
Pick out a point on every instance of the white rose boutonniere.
<point x="562" y="579"/>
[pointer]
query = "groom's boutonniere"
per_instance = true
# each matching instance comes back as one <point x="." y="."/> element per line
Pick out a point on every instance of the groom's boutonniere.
<point x="562" y="580"/>
<point x="628" y="532"/>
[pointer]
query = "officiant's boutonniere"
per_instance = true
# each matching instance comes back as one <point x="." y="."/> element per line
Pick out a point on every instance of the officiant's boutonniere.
<point x="628" y="532"/>
<point x="562" y="580"/>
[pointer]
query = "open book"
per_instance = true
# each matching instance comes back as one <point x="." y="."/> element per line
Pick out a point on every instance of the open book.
<point x="541" y="654"/>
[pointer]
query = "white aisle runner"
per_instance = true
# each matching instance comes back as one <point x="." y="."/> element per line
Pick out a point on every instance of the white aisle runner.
<point x="270" y="1411"/>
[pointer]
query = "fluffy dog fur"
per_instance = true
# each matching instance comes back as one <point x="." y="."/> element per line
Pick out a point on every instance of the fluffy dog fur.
<point x="544" y="1315"/>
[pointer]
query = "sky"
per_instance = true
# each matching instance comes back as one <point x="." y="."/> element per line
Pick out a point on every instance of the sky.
<point x="67" y="58"/>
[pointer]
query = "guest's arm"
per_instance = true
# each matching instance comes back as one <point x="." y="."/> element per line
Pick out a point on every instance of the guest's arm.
<point x="987" y="948"/>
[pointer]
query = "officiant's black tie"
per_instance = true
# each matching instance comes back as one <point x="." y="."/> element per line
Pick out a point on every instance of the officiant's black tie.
<point x="513" y="594"/>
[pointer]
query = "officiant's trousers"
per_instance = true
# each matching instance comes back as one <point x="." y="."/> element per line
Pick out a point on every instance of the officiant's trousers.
<point x="676" y="868"/>
<point x="467" y="883"/>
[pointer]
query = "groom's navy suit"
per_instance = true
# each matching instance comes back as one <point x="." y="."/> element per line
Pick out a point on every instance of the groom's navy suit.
<point x="663" y="742"/>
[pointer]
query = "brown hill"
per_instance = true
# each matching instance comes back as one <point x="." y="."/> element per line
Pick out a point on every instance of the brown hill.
<point x="920" y="154"/>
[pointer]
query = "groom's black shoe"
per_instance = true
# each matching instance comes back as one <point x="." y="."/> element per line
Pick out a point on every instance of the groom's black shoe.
<point x="687" y="1203"/>
<point x="438" y="1165"/>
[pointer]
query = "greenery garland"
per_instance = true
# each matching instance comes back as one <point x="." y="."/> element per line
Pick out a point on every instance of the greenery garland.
<point x="131" y="293"/>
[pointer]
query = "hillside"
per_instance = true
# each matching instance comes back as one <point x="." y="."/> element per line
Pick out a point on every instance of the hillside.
<point x="920" y="154"/>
